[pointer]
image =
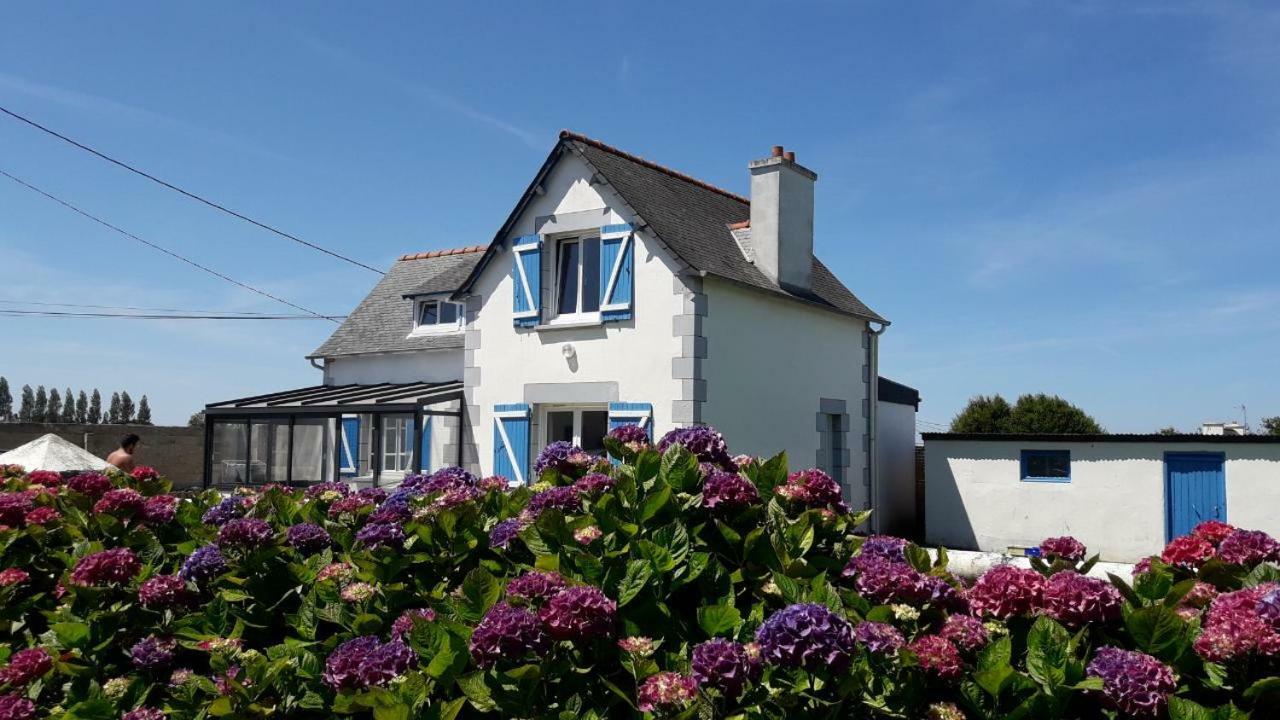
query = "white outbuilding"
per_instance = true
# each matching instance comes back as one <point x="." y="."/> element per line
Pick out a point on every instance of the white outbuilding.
<point x="1124" y="496"/>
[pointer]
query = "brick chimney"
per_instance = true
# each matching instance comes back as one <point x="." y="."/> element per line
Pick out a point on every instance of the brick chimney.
<point x="782" y="218"/>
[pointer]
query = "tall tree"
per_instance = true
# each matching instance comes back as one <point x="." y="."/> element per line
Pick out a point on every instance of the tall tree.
<point x="42" y="405"/>
<point x="983" y="414"/>
<point x="82" y="408"/>
<point x="68" y="408"/>
<point x="95" y="408"/>
<point x="53" y="411"/>
<point x="6" y="401"/>
<point x="1041" y="413"/>
<point x="1271" y="425"/>
<point x="113" y="410"/>
<point x="126" y="408"/>
<point x="144" y="411"/>
<point x="196" y="419"/>
<point x="27" y="410"/>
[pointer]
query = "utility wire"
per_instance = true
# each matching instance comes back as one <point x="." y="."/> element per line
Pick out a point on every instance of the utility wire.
<point x="135" y="307"/>
<point x="166" y="251"/>
<point x="187" y="193"/>
<point x="140" y="316"/>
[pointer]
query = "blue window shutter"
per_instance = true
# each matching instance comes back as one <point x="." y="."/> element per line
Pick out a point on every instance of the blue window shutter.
<point x="511" y="442"/>
<point x="425" y="449"/>
<point x="526" y="280"/>
<point x="617" y="271"/>
<point x="349" y="447"/>
<point x="631" y="413"/>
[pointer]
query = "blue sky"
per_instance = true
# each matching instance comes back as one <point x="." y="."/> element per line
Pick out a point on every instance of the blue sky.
<point x="1076" y="198"/>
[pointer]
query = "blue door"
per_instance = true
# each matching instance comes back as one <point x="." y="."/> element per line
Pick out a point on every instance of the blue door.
<point x="1195" y="490"/>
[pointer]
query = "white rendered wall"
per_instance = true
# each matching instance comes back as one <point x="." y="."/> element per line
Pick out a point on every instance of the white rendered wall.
<point x="636" y="354"/>
<point x="1114" y="503"/>
<point x="896" y="466"/>
<point x="769" y="363"/>
<point x="400" y="367"/>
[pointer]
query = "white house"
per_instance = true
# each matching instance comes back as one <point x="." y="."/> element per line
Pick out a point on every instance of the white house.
<point x="616" y="291"/>
<point x="1124" y="496"/>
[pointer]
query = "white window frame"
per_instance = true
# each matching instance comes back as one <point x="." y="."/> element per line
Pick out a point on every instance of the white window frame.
<point x="545" y="410"/>
<point x="439" y="327"/>
<point x="577" y="316"/>
<point x="394" y="446"/>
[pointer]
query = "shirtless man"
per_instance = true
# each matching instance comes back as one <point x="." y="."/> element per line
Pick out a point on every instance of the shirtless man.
<point x="123" y="458"/>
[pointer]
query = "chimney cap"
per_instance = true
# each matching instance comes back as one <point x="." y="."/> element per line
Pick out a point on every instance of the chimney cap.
<point x="790" y="155"/>
<point x="777" y="151"/>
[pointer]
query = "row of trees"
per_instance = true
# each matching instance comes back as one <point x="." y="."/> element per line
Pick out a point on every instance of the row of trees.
<point x="85" y="408"/>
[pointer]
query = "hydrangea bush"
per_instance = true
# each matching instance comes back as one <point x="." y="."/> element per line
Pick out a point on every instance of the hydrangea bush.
<point x="672" y="580"/>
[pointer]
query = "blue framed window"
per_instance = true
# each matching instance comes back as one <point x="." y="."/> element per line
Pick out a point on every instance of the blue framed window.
<point x="1046" y="466"/>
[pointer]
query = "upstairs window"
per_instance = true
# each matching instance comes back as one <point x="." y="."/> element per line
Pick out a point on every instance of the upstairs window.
<point x="438" y="315"/>
<point x="1046" y="466"/>
<point x="578" y="276"/>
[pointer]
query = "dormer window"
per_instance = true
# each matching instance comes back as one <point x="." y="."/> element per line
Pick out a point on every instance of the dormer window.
<point x="437" y="316"/>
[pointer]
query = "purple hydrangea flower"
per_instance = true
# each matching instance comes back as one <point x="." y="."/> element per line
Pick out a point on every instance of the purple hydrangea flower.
<point x="508" y="633"/>
<point x="315" y="491"/>
<point x="812" y="488"/>
<point x="1135" y="683"/>
<point x="245" y="534"/>
<point x="25" y="666"/>
<point x="965" y="631"/>
<point x="166" y="592"/>
<point x="1075" y="600"/>
<point x="229" y="509"/>
<point x="403" y="625"/>
<point x="666" y="693"/>
<point x="883" y="581"/>
<point x="16" y="707"/>
<point x="308" y="538"/>
<point x="1248" y="547"/>
<point x="536" y="587"/>
<point x="394" y="512"/>
<point x="153" y="653"/>
<point x="443" y="480"/>
<point x="203" y="565"/>
<point x="728" y="491"/>
<point x="365" y="662"/>
<point x="564" y="498"/>
<point x="561" y="456"/>
<point x="374" y="495"/>
<point x="879" y="638"/>
<point x="937" y="656"/>
<point x="143" y="713"/>
<point x="504" y="532"/>
<point x="381" y="535"/>
<point x="723" y="665"/>
<point x="93" y="484"/>
<point x="594" y="484"/>
<point x="893" y="549"/>
<point x="704" y="442"/>
<point x="160" y="509"/>
<point x="1268" y="606"/>
<point x="580" y="612"/>
<point x="806" y="635"/>
<point x="109" y="567"/>
<point x="1065" y="547"/>
<point x="633" y="437"/>
<point x="121" y="502"/>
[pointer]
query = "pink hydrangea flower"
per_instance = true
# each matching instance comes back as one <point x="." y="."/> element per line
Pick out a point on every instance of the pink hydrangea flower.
<point x="812" y="488"/>
<point x="1005" y="591"/>
<point x="1235" y="626"/>
<point x="666" y="693"/>
<point x="42" y="515"/>
<point x="109" y="567"/>
<point x="965" y="631"/>
<point x="13" y="576"/>
<point x="1214" y="531"/>
<point x="25" y="666"/>
<point x="1065" y="547"/>
<point x="143" y="473"/>
<point x="1248" y="547"/>
<point x="124" y="502"/>
<point x="937" y="656"/>
<point x="588" y="535"/>
<point x="1187" y="551"/>
<point x="1074" y="599"/>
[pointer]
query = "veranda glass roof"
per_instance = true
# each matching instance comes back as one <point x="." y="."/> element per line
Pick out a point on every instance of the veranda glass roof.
<point x="331" y="399"/>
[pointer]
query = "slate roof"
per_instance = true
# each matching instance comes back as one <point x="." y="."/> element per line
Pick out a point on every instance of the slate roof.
<point x="690" y="217"/>
<point x="383" y="320"/>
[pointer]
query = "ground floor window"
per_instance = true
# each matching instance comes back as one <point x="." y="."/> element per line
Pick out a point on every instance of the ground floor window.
<point x="397" y="443"/>
<point x="584" y="427"/>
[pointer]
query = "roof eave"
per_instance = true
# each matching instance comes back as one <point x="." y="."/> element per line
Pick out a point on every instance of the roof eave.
<point x="784" y="295"/>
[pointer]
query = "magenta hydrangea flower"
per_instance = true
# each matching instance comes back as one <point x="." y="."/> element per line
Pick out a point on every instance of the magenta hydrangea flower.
<point x="888" y="547"/>
<point x="1238" y="624"/>
<point x="160" y="509"/>
<point x="812" y="488"/>
<point x="166" y="592"/>
<point x="536" y="587"/>
<point x="455" y="497"/>
<point x="965" y="631"/>
<point x="109" y="567"/>
<point x="42" y="515"/>
<point x="245" y="534"/>
<point x="25" y="666"/>
<point x="564" y="498"/>
<point x="508" y="633"/>
<point x="704" y="442"/>
<point x="666" y="693"/>
<point x="203" y="565"/>
<point x="16" y="707"/>
<point x="350" y="504"/>
<point x="308" y="538"/>
<point x="95" y="485"/>
<point x="883" y="581"/>
<point x="806" y="635"/>
<point x="229" y="509"/>
<point x="1134" y="683"/>
<point x="594" y="484"/>
<point x="1005" y="591"/>
<point x="14" y="508"/>
<point x="143" y="473"/>
<point x="1212" y="531"/>
<point x="879" y="638"/>
<point x="381" y="535"/>
<point x="493" y="483"/>
<point x="580" y="612"/>
<point x="1248" y="547"/>
<point x="338" y="489"/>
<point x="366" y="662"/>
<point x="144" y="713"/>
<point x="46" y="478"/>
<point x="403" y="625"/>
<point x="13" y="576"/>
<point x="728" y="491"/>
<point x="1187" y="551"/>
<point x="937" y="656"/>
<point x="633" y="437"/>
<point x="120" y="502"/>
<point x="504" y="532"/>
<point x="725" y="666"/>
<point x="1075" y="600"/>
<point x="1065" y="547"/>
<point x="153" y="653"/>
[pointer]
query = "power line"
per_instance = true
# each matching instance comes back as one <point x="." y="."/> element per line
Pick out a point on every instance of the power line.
<point x="139" y="316"/>
<point x="135" y="307"/>
<point x="166" y="251"/>
<point x="187" y="193"/>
